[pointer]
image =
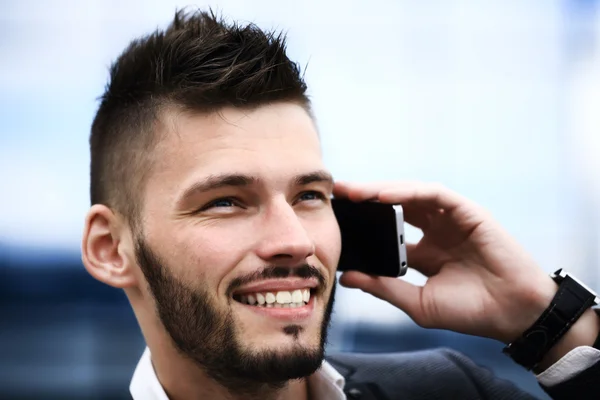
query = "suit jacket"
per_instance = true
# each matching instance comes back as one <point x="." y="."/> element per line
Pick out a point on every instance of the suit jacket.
<point x="443" y="374"/>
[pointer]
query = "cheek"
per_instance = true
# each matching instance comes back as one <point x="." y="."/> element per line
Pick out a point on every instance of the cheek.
<point x="328" y="243"/>
<point x="210" y="252"/>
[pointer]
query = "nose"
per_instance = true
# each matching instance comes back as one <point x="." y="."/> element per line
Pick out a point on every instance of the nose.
<point x="283" y="237"/>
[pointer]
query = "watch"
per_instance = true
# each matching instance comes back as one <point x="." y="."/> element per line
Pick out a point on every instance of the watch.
<point x="571" y="300"/>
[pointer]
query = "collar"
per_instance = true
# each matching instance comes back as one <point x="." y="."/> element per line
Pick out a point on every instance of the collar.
<point x="325" y="383"/>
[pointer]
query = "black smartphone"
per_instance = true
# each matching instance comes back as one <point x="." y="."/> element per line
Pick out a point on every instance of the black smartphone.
<point x="372" y="237"/>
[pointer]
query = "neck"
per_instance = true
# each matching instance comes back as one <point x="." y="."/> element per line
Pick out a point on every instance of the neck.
<point x="182" y="379"/>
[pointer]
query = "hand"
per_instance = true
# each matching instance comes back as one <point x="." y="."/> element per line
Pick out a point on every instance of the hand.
<point x="480" y="281"/>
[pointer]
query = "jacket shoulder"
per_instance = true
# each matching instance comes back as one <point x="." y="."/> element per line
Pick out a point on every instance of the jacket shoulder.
<point x="428" y="374"/>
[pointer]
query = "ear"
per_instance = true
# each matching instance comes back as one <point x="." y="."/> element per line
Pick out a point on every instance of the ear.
<point x="107" y="248"/>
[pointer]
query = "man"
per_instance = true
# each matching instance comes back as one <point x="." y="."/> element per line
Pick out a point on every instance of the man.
<point x="211" y="209"/>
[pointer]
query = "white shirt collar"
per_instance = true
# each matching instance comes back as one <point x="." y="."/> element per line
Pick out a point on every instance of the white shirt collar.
<point x="326" y="383"/>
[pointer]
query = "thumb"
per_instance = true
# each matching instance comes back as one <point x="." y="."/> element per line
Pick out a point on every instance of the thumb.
<point x="398" y="292"/>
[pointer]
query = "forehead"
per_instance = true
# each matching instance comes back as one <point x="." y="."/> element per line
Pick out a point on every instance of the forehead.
<point x="274" y="142"/>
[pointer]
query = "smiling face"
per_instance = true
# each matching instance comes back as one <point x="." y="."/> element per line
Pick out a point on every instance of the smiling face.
<point x="239" y="243"/>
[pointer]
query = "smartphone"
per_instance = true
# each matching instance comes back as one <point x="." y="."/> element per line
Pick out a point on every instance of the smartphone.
<point x="373" y="238"/>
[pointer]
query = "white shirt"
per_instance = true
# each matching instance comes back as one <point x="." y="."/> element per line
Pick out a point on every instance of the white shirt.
<point x="327" y="383"/>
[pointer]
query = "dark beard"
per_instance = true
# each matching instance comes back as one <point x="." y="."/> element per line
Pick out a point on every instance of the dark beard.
<point x="210" y="339"/>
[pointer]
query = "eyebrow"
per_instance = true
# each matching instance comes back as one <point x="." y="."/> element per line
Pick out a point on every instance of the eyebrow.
<point x="214" y="182"/>
<point x="313" y="177"/>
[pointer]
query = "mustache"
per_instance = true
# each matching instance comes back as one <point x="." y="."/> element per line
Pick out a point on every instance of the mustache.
<point x="304" y="271"/>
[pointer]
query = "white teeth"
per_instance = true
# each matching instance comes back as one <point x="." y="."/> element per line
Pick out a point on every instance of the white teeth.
<point x="270" y="298"/>
<point x="296" y="296"/>
<point x="284" y="297"/>
<point x="269" y="305"/>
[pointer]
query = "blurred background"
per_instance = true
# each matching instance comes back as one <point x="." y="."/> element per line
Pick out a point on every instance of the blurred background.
<point x="498" y="100"/>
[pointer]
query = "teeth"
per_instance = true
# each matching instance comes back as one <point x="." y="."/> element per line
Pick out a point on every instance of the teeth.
<point x="284" y="298"/>
<point x="270" y="297"/>
<point x="296" y="296"/>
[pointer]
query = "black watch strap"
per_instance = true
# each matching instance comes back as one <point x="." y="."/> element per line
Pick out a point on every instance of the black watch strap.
<point x="569" y="303"/>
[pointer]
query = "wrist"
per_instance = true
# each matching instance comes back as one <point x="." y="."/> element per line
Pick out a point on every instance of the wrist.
<point x="583" y="333"/>
<point x="560" y="328"/>
<point x="536" y="301"/>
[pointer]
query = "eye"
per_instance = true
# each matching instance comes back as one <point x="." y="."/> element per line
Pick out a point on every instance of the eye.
<point x="222" y="203"/>
<point x="225" y="202"/>
<point x="311" y="195"/>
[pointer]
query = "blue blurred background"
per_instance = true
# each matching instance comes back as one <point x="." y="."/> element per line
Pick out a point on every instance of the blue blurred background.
<point x="500" y="100"/>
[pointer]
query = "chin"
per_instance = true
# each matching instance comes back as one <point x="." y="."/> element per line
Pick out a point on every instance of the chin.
<point x="283" y="339"/>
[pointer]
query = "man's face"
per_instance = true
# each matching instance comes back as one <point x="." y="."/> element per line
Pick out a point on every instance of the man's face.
<point x="239" y="243"/>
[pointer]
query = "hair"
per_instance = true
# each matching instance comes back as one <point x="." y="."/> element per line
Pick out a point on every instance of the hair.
<point x="200" y="63"/>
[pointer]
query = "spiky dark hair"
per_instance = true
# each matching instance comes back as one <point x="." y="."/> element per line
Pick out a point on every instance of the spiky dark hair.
<point x="199" y="63"/>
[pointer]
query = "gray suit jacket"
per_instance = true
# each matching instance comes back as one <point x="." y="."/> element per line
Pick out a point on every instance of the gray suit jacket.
<point x="442" y="374"/>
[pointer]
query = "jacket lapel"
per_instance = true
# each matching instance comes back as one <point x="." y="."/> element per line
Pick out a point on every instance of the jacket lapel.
<point x="357" y="389"/>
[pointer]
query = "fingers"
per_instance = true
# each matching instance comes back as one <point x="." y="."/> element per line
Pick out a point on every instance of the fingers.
<point x="397" y="292"/>
<point x="419" y="217"/>
<point x="426" y="261"/>
<point x="429" y="195"/>
<point x="362" y="192"/>
<point x="421" y="198"/>
<point x="414" y="214"/>
<point x="422" y="194"/>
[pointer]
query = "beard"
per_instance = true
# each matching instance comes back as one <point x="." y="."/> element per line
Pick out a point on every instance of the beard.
<point x="210" y="338"/>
